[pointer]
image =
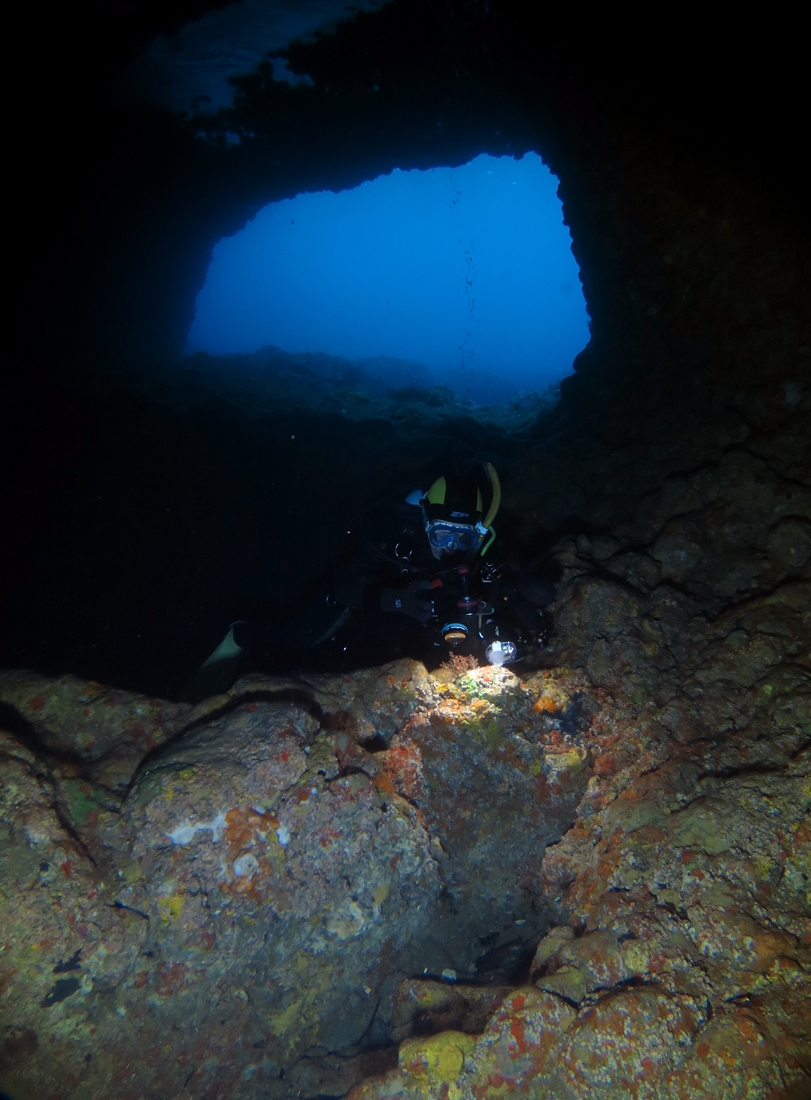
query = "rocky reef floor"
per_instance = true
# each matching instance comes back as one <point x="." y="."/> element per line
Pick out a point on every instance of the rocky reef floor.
<point x="538" y="886"/>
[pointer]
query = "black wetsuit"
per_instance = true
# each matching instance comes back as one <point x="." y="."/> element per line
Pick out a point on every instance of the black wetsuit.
<point x="387" y="597"/>
<point x="391" y="598"/>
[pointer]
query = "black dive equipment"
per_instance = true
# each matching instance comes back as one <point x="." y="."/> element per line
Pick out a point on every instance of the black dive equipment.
<point x="464" y="601"/>
<point x="469" y="625"/>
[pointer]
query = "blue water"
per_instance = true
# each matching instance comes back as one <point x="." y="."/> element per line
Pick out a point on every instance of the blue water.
<point x="466" y="270"/>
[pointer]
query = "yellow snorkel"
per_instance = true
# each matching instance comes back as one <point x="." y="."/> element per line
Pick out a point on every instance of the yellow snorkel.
<point x="495" y="504"/>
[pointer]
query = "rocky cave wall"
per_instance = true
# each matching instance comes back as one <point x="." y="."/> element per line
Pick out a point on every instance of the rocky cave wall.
<point x="243" y="899"/>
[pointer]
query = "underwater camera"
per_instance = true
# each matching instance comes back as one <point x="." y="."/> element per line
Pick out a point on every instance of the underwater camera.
<point x="470" y="627"/>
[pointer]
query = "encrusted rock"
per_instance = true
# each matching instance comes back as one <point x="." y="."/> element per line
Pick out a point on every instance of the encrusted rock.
<point x="248" y="902"/>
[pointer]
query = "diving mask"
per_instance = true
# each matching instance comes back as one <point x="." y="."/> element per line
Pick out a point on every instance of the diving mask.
<point x="447" y="538"/>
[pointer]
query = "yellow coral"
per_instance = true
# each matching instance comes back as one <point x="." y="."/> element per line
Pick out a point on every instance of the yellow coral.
<point x="439" y="1058"/>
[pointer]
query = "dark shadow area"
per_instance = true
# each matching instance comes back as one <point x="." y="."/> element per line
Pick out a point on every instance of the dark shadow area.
<point x="181" y="512"/>
<point x="150" y="505"/>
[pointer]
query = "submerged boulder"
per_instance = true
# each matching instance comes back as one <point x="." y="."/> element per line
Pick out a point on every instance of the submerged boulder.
<point x="682" y="966"/>
<point x="231" y="903"/>
<point x="262" y="906"/>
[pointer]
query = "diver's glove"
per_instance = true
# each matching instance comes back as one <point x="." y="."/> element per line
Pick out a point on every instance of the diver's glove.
<point x="414" y="601"/>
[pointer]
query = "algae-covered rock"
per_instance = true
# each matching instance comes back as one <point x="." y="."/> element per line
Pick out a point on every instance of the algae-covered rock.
<point x="691" y="971"/>
<point x="679" y="963"/>
<point x="493" y="795"/>
<point x="241" y="912"/>
<point x="305" y="882"/>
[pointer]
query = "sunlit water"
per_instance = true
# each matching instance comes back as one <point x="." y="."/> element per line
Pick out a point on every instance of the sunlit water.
<point x="466" y="270"/>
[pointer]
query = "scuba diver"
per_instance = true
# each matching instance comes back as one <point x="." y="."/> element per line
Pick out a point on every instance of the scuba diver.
<point x="419" y="584"/>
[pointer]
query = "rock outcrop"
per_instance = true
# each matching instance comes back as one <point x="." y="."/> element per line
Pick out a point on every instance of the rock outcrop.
<point x="227" y="898"/>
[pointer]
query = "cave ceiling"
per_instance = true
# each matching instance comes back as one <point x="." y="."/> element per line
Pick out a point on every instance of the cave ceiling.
<point x="191" y="70"/>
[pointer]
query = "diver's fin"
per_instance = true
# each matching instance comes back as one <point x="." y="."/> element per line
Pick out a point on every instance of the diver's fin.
<point x="227" y="650"/>
<point x="217" y="673"/>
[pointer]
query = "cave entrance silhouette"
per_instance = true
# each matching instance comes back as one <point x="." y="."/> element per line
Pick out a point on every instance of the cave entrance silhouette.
<point x="461" y="276"/>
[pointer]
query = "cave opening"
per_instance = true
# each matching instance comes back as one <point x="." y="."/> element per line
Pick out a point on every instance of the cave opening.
<point x="461" y="276"/>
